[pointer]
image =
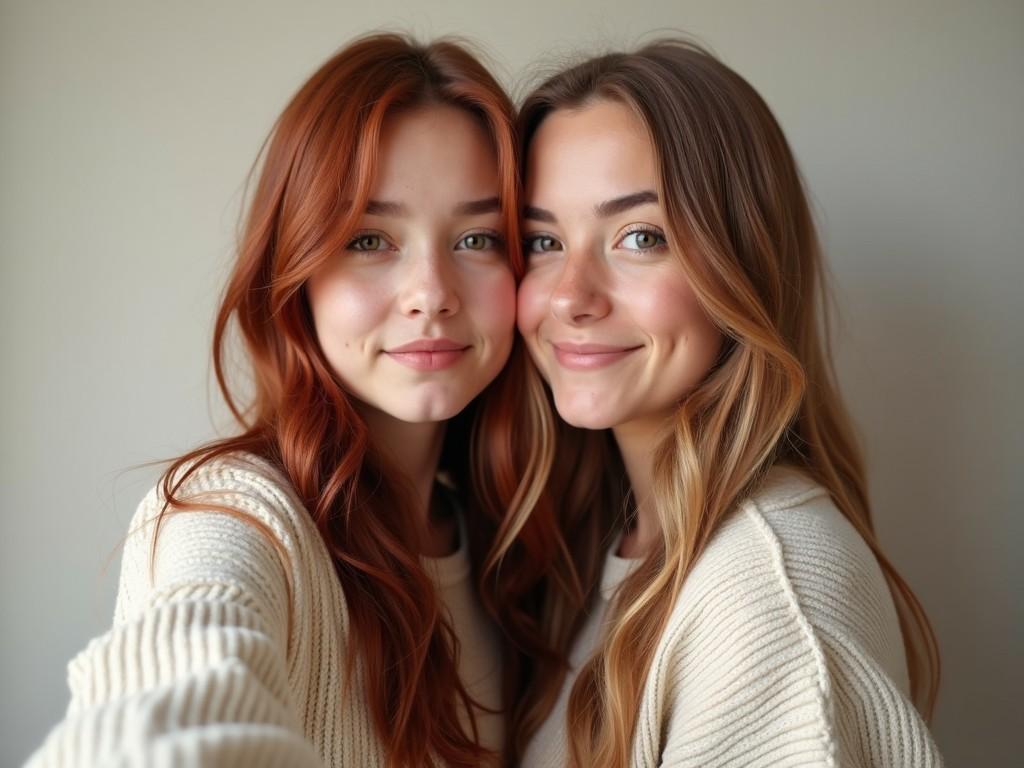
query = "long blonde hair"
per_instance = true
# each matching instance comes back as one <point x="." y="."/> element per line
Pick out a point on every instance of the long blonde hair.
<point x="738" y="216"/>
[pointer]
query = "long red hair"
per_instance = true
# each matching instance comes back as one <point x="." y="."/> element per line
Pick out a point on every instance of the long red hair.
<point x="316" y="176"/>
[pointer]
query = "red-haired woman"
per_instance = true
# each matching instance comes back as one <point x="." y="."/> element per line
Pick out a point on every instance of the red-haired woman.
<point x="734" y="607"/>
<point x="303" y="593"/>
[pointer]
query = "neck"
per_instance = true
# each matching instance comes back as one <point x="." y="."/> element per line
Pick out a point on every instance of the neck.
<point x="413" y="450"/>
<point x="636" y="441"/>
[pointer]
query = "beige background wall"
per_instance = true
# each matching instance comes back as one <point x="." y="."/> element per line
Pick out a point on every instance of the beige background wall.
<point x="126" y="130"/>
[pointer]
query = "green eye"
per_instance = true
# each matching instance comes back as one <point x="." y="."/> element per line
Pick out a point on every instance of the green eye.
<point x="542" y="244"/>
<point x="368" y="243"/>
<point x="643" y="240"/>
<point x="478" y="241"/>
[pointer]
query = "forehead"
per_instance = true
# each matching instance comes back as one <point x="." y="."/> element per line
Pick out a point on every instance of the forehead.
<point x="436" y="150"/>
<point x="589" y="154"/>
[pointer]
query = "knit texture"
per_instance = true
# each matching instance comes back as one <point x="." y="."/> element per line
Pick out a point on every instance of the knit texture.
<point x="232" y="656"/>
<point x="783" y="649"/>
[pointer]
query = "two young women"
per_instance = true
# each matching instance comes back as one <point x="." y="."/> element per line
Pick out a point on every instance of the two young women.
<point x="408" y="558"/>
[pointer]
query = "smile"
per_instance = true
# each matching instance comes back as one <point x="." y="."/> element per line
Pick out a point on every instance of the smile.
<point x="588" y="357"/>
<point x="428" y="354"/>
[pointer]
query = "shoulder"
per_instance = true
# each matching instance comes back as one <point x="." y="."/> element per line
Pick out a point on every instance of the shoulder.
<point x="784" y="630"/>
<point x="738" y="617"/>
<point x="239" y="480"/>
<point x="206" y="640"/>
<point x="833" y="575"/>
<point x="246" y="530"/>
<point x="791" y="526"/>
<point x="801" y="514"/>
<point x="229" y="491"/>
<point x="788" y="552"/>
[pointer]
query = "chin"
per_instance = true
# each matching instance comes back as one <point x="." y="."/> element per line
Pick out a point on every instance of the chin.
<point x="586" y="422"/>
<point x="584" y="415"/>
<point x="430" y="411"/>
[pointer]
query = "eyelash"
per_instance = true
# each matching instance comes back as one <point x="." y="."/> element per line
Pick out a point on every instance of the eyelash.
<point x="529" y="243"/>
<point x="495" y="242"/>
<point x="352" y="244"/>
<point x="644" y="230"/>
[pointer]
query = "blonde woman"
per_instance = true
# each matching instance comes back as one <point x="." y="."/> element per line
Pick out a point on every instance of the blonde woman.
<point x="732" y="605"/>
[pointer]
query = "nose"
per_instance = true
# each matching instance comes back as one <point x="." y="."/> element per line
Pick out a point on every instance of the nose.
<point x="578" y="297"/>
<point x="430" y="288"/>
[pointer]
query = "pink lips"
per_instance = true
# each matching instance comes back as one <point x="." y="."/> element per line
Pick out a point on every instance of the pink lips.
<point x="428" y="354"/>
<point x="587" y="357"/>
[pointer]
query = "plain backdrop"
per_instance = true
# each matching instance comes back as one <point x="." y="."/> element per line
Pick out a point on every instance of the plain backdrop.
<point x="127" y="130"/>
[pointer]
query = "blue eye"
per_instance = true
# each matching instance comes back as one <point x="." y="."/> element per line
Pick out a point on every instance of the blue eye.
<point x="542" y="244"/>
<point x="643" y="240"/>
<point x="478" y="241"/>
<point x="368" y="242"/>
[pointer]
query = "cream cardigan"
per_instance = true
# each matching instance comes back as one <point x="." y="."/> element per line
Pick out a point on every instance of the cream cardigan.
<point x="783" y="649"/>
<point x="199" y="668"/>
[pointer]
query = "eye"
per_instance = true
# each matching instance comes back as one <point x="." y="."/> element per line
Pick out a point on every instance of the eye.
<point x="645" y="239"/>
<point x="368" y="242"/>
<point x="477" y="241"/>
<point x="542" y="244"/>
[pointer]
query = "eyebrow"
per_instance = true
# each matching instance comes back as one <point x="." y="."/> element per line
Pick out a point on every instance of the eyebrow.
<point x="624" y="203"/>
<point x="385" y="208"/>
<point x="469" y="208"/>
<point x="539" y="214"/>
<point x="476" y="207"/>
<point x="603" y="210"/>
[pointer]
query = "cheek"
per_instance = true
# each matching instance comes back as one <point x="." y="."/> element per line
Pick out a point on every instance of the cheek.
<point x="494" y="301"/>
<point x="679" y="325"/>
<point x="665" y="307"/>
<point x="346" y="308"/>
<point x="532" y="303"/>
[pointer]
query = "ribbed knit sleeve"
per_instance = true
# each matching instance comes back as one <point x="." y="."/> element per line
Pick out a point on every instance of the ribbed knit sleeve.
<point x="784" y="649"/>
<point x="194" y="670"/>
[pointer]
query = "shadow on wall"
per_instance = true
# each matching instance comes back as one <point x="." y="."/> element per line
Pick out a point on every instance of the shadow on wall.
<point x="918" y="377"/>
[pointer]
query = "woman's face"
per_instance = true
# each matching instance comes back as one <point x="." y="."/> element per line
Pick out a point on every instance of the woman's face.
<point x="605" y="308"/>
<point x="417" y="314"/>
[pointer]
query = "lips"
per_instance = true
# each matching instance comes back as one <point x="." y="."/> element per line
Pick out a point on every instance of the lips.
<point x="428" y="354"/>
<point x="588" y="357"/>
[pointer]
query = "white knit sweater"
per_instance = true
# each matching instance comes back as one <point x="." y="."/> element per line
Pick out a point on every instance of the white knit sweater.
<point x="199" y="668"/>
<point x="783" y="649"/>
